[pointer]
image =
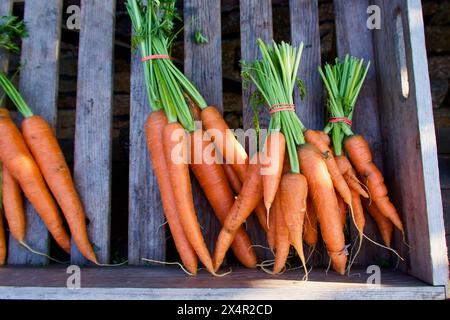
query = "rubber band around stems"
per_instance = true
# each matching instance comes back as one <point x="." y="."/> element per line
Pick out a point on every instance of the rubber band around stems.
<point x="156" y="56"/>
<point x="341" y="119"/>
<point x="281" y="107"/>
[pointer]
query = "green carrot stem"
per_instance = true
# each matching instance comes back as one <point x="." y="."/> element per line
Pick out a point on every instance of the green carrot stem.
<point x="15" y="96"/>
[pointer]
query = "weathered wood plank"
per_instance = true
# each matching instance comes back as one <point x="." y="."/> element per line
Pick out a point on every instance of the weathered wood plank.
<point x="305" y="28"/>
<point x="354" y="38"/>
<point x="203" y="65"/>
<point x="39" y="87"/>
<point x="171" y="283"/>
<point x="409" y="138"/>
<point x="92" y="160"/>
<point x="256" y="22"/>
<point x="146" y="237"/>
<point x="5" y="10"/>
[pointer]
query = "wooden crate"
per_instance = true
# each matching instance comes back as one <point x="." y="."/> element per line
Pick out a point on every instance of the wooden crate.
<point x="394" y="114"/>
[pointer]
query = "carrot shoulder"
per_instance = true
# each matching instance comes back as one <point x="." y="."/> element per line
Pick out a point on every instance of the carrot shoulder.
<point x="154" y="126"/>
<point x="15" y="155"/>
<point x="339" y="183"/>
<point x="323" y="196"/>
<point x="175" y="141"/>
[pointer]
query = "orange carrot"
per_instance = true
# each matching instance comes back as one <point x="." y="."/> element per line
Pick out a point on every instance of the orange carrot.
<point x="44" y="146"/>
<point x="325" y="137"/>
<point x="243" y="206"/>
<point x="154" y="127"/>
<point x="358" y="213"/>
<point x="232" y="178"/>
<point x="293" y="195"/>
<point x="310" y="234"/>
<point x="282" y="243"/>
<point x="175" y="141"/>
<point x="321" y="188"/>
<point x="271" y="231"/>
<point x="343" y="209"/>
<point x="272" y="166"/>
<point x="13" y="206"/>
<point x="360" y="155"/>
<point x="346" y="169"/>
<point x="225" y="141"/>
<point x="15" y="155"/>
<point x="385" y="225"/>
<point x="214" y="184"/>
<point x="236" y="185"/>
<point x="339" y="183"/>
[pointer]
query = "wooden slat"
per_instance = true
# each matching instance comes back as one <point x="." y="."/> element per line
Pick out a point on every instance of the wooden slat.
<point x="354" y="38"/>
<point x="409" y="142"/>
<point x="39" y="87"/>
<point x="305" y="28"/>
<point x="132" y="283"/>
<point x="146" y="237"/>
<point x="256" y="22"/>
<point x="203" y="65"/>
<point x="92" y="160"/>
<point x="5" y="10"/>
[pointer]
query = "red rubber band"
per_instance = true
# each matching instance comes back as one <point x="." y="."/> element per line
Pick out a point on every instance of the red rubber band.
<point x="341" y="119"/>
<point x="281" y="107"/>
<point x="156" y="56"/>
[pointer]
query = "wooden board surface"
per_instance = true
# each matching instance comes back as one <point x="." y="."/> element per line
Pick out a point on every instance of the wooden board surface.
<point x="203" y="66"/>
<point x="256" y="22"/>
<point x="39" y="87"/>
<point x="411" y="167"/>
<point x="146" y="235"/>
<point x="350" y="16"/>
<point x="93" y="135"/>
<point x="171" y="283"/>
<point x="304" y="16"/>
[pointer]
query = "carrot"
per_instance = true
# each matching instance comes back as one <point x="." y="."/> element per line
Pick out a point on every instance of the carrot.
<point x="343" y="209"/>
<point x="360" y="155"/>
<point x="271" y="228"/>
<point x="385" y="225"/>
<point x="15" y="155"/>
<point x="325" y="137"/>
<point x="243" y="206"/>
<point x="13" y="206"/>
<point x="154" y="126"/>
<point x="225" y="141"/>
<point x="310" y="234"/>
<point x="214" y="184"/>
<point x="282" y="243"/>
<point x="44" y="146"/>
<point x="232" y="178"/>
<point x="286" y="164"/>
<point x="314" y="168"/>
<point x="293" y="195"/>
<point x="358" y="213"/>
<point x="175" y="138"/>
<point x="272" y="166"/>
<point x="339" y="183"/>
<point x="236" y="185"/>
<point x="346" y="169"/>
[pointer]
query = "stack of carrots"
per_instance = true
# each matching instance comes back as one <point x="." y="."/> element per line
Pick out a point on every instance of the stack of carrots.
<point x="33" y="162"/>
<point x="294" y="184"/>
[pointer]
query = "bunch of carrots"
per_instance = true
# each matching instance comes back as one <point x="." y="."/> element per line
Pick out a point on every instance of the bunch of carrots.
<point x="292" y="193"/>
<point x="32" y="162"/>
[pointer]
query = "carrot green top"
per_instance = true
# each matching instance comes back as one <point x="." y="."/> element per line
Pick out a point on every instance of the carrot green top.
<point x="343" y="81"/>
<point x="15" y="96"/>
<point x="275" y="77"/>
<point x="11" y="28"/>
<point x="153" y="26"/>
